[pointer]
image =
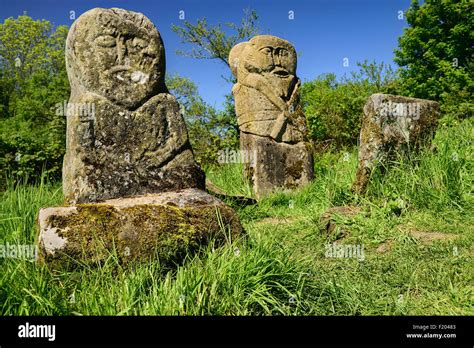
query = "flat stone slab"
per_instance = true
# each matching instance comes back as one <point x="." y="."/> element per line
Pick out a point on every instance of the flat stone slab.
<point x="164" y="226"/>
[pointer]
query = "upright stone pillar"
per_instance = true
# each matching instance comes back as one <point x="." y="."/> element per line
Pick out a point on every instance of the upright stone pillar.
<point x="129" y="174"/>
<point x="271" y="122"/>
<point x="392" y="125"/>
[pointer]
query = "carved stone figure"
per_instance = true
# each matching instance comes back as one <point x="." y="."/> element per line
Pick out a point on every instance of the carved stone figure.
<point x="129" y="173"/>
<point x="134" y="141"/>
<point x="269" y="117"/>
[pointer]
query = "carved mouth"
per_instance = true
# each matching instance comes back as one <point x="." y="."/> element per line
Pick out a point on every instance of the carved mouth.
<point x="118" y="68"/>
<point x="280" y="73"/>
<point x="124" y="73"/>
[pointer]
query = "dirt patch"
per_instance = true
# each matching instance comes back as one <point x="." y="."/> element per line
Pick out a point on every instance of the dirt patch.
<point x="329" y="225"/>
<point x="346" y="211"/>
<point x="384" y="247"/>
<point x="429" y="237"/>
<point x="277" y="220"/>
<point x="426" y="236"/>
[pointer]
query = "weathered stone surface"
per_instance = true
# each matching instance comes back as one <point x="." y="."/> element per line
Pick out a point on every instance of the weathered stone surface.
<point x="131" y="139"/>
<point x="268" y="112"/>
<point x="277" y="165"/>
<point x="129" y="172"/>
<point x="392" y="125"/>
<point x="164" y="226"/>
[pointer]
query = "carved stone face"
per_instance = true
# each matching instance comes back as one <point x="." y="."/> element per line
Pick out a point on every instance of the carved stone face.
<point x="118" y="54"/>
<point x="269" y="56"/>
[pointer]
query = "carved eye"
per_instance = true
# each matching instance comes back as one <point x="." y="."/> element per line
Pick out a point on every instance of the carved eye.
<point x="266" y="50"/>
<point x="139" y="43"/>
<point x="284" y="53"/>
<point x="105" y="41"/>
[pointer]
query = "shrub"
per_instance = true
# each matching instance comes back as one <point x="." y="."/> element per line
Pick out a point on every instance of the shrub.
<point x="334" y="108"/>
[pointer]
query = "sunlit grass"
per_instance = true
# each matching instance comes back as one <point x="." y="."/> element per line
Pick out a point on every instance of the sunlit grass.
<point x="280" y="268"/>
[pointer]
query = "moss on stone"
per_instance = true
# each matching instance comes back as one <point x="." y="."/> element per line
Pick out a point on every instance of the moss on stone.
<point x="140" y="232"/>
<point x="385" y="137"/>
<point x="295" y="170"/>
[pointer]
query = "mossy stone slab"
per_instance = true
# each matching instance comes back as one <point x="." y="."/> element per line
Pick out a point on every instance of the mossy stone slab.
<point x="163" y="227"/>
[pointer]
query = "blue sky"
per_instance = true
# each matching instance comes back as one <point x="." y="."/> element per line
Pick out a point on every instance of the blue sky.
<point x="324" y="32"/>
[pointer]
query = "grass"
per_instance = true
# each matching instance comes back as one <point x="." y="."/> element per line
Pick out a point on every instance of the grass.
<point x="416" y="228"/>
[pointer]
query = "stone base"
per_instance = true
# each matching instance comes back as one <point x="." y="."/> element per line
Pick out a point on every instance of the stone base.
<point x="163" y="226"/>
<point x="276" y="165"/>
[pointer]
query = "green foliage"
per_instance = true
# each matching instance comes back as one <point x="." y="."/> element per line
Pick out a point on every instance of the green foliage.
<point x="334" y="108"/>
<point x="212" y="42"/>
<point x="228" y="176"/>
<point x="32" y="81"/>
<point x="212" y="131"/>
<point x="435" y="54"/>
<point x="433" y="180"/>
<point x="281" y="266"/>
<point x="209" y="130"/>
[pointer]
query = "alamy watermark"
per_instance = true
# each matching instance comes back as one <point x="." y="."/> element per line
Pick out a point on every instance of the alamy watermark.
<point x="348" y="251"/>
<point x="86" y="110"/>
<point x="37" y="331"/>
<point x="19" y="251"/>
<point x="236" y="156"/>
<point x="392" y="109"/>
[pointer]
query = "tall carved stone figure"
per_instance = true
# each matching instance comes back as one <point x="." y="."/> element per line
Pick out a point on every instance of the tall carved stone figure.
<point x="129" y="176"/>
<point x="271" y="122"/>
<point x="133" y="140"/>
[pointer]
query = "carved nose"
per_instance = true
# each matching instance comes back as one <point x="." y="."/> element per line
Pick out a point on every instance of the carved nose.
<point x="121" y="49"/>
<point x="276" y="59"/>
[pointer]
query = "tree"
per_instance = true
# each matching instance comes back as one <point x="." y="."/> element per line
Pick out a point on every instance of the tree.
<point x="334" y="108"/>
<point x="33" y="80"/>
<point x="435" y="54"/>
<point x="212" y="42"/>
<point x="208" y="129"/>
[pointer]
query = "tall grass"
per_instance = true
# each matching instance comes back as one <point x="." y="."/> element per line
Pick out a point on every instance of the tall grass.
<point x="19" y="207"/>
<point x="434" y="179"/>
<point x="229" y="176"/>
<point x="280" y="268"/>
